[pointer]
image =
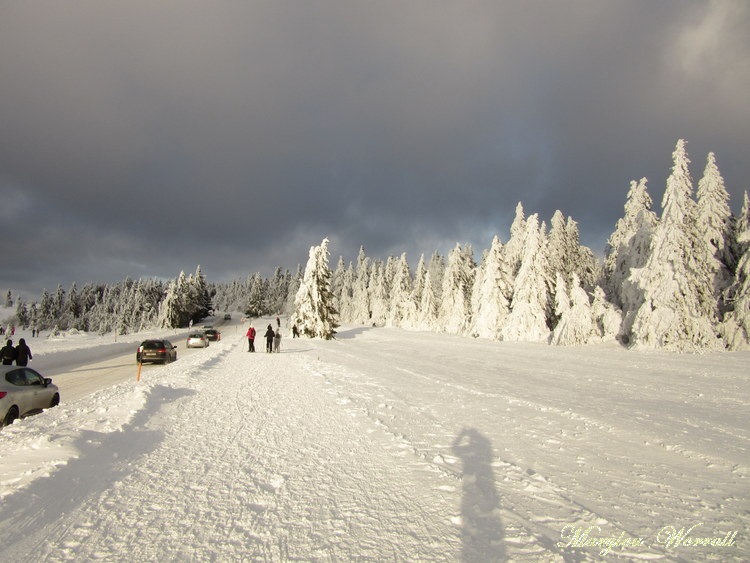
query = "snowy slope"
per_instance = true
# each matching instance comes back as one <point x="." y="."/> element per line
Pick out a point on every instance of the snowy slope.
<point x="388" y="445"/>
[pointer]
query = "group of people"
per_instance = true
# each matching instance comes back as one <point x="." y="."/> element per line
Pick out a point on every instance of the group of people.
<point x="20" y="354"/>
<point x="273" y="338"/>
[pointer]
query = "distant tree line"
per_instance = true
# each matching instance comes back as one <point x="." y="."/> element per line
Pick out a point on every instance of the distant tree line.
<point x="124" y="307"/>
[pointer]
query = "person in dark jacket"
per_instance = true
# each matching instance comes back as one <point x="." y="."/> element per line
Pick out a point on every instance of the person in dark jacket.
<point x="8" y="353"/>
<point x="269" y="339"/>
<point x="23" y="353"/>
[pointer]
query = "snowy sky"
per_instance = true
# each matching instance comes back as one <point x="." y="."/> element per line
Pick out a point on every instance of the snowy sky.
<point x="144" y="138"/>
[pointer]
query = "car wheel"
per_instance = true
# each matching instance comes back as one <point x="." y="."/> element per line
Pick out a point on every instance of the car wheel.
<point x="11" y="416"/>
<point x="55" y="401"/>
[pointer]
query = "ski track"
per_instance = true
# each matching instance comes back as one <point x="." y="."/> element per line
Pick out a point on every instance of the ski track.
<point x="273" y="470"/>
<point x="335" y="452"/>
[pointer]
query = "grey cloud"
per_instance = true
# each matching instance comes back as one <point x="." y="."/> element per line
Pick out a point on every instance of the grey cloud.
<point x="238" y="134"/>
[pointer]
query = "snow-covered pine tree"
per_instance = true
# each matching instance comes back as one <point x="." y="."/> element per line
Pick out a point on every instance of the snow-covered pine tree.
<point x="513" y="250"/>
<point x="736" y="325"/>
<point x="489" y="302"/>
<point x="714" y="220"/>
<point x="584" y="261"/>
<point x="314" y="312"/>
<point x="337" y="281"/>
<point x="674" y="314"/>
<point x="361" y="311"/>
<point x="576" y="324"/>
<point x="169" y="310"/>
<point x="345" y="304"/>
<point x="436" y="267"/>
<point x="22" y="313"/>
<point x="527" y="320"/>
<point x="560" y="248"/>
<point x="607" y="318"/>
<point x="293" y="286"/>
<point x="455" y="305"/>
<point x="427" y="316"/>
<point x="378" y="293"/>
<point x="200" y="300"/>
<point x="402" y="309"/>
<point x="629" y="246"/>
<point x="255" y="299"/>
<point x="419" y="280"/>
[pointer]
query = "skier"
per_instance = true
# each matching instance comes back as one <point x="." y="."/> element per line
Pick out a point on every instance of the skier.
<point x="269" y="339"/>
<point x="251" y="339"/>
<point x="277" y="341"/>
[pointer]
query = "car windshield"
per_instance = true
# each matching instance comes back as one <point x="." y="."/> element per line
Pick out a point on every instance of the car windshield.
<point x="195" y="336"/>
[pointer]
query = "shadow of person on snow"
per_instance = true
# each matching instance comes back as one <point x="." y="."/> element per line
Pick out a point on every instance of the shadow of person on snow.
<point x="481" y="526"/>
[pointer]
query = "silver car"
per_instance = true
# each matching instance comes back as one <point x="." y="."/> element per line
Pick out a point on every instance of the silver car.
<point x="24" y="391"/>
<point x="197" y="340"/>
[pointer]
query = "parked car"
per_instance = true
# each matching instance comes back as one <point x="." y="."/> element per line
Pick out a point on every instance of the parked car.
<point x="197" y="340"/>
<point x="212" y="334"/>
<point x="156" y="351"/>
<point x="23" y="391"/>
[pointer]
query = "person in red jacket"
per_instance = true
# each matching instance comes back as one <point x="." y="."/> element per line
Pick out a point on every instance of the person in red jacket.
<point x="251" y="339"/>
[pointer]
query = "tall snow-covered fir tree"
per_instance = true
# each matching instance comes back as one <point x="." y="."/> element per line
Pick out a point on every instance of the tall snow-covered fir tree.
<point x="513" y="250"/>
<point x="715" y="225"/>
<point x="402" y="312"/>
<point x="360" y="310"/>
<point x="527" y="319"/>
<point x="458" y="279"/>
<point x="429" y="307"/>
<point x="488" y="300"/>
<point x="608" y="319"/>
<point x="378" y="293"/>
<point x="576" y="324"/>
<point x="736" y="325"/>
<point x="314" y="312"/>
<point x="629" y="246"/>
<point x="419" y="280"/>
<point x="675" y="281"/>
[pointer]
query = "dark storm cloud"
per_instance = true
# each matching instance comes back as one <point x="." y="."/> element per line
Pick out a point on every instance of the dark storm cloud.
<point x="144" y="138"/>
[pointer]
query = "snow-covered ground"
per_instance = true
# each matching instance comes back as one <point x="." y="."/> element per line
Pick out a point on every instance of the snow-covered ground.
<point x="389" y="445"/>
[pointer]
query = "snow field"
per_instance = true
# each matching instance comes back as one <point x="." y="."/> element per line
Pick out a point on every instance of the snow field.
<point x="386" y="445"/>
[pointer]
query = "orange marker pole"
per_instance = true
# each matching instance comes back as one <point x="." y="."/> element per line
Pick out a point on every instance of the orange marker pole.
<point x="140" y="365"/>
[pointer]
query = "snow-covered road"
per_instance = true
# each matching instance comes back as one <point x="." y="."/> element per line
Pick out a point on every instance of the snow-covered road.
<point x="387" y="445"/>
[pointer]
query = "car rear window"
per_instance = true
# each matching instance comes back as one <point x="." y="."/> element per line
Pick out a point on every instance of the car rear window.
<point x="153" y="345"/>
<point x="15" y="377"/>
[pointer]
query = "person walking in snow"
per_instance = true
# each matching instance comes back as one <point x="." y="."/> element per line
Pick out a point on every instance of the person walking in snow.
<point x="295" y="331"/>
<point x="269" y="338"/>
<point x="277" y="341"/>
<point x="251" y="339"/>
<point x="8" y="353"/>
<point x="23" y="353"/>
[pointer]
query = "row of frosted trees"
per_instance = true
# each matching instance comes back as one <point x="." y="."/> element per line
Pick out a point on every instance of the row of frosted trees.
<point x="679" y="281"/>
<point x="124" y="307"/>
